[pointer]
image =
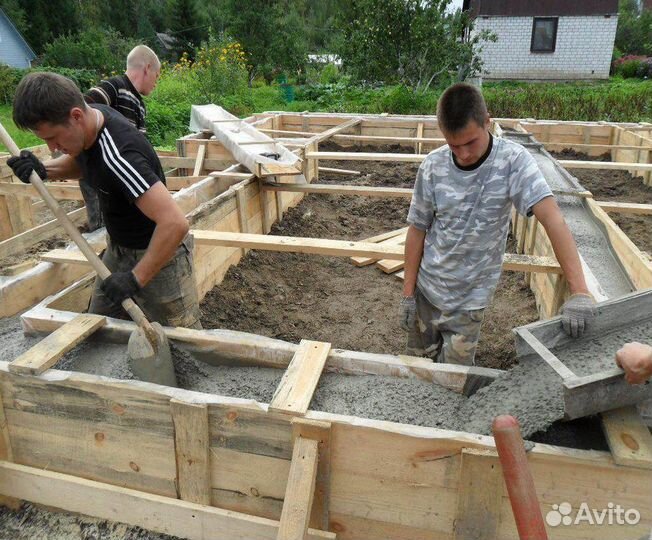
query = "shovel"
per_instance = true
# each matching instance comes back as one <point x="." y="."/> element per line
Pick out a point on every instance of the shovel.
<point x="148" y="348"/>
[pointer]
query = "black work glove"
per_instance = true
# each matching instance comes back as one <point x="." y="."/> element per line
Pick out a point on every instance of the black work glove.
<point x="119" y="286"/>
<point x="24" y="164"/>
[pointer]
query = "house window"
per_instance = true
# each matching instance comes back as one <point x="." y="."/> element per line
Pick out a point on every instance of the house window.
<point x="544" y="34"/>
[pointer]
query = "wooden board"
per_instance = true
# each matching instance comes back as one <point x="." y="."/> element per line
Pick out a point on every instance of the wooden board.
<point x="626" y="208"/>
<point x="335" y="189"/>
<point x="294" y="393"/>
<point x="629" y="439"/>
<point x="479" y="496"/>
<point x="160" y="514"/>
<point x="47" y="352"/>
<point x="317" y="246"/>
<point x="395" y="240"/>
<point x="608" y="165"/>
<point x="300" y="491"/>
<point x="366" y="156"/>
<point x="191" y="446"/>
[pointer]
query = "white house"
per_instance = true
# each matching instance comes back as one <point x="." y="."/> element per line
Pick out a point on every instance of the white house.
<point x="546" y="39"/>
<point x="14" y="50"/>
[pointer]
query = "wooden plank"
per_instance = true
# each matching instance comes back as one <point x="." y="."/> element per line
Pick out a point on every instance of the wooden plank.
<point x="294" y="393"/>
<point x="625" y="208"/>
<point x="321" y="432"/>
<point x="389" y="267"/>
<point x="153" y="512"/>
<point x="334" y="130"/>
<point x="337" y="189"/>
<point x="210" y="164"/>
<point x="417" y="144"/>
<point x="331" y="170"/>
<point x="65" y="256"/>
<point x="68" y="191"/>
<point x="265" y="208"/>
<point x="199" y="160"/>
<point x="369" y="156"/>
<point x="629" y="439"/>
<point x="609" y="165"/>
<point x="6" y="229"/>
<point x="191" y="447"/>
<point x="316" y="246"/>
<point x="47" y="352"/>
<point x="300" y="491"/>
<point x="396" y="240"/>
<point x="177" y="183"/>
<point x="24" y="240"/>
<point x="241" y="206"/>
<point x="531" y="263"/>
<point x="479" y="496"/>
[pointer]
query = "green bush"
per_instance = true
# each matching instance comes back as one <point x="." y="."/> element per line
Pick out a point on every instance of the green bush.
<point x="10" y="77"/>
<point x="402" y="100"/>
<point x="630" y="69"/>
<point x="329" y="75"/>
<point x="102" y="50"/>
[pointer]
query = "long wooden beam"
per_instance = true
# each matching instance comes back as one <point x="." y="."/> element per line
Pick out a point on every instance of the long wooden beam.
<point x="361" y="138"/>
<point x="154" y="512"/>
<point x="324" y="135"/>
<point x="317" y="246"/>
<point x="626" y="208"/>
<point x="59" y="190"/>
<point x="366" y="156"/>
<point x="338" y="189"/>
<point x="609" y="165"/>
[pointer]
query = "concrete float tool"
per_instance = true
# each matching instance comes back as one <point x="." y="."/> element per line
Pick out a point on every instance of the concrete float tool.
<point x="150" y="358"/>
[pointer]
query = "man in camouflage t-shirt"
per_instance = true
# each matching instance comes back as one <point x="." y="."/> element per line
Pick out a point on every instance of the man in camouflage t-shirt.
<point x="459" y="219"/>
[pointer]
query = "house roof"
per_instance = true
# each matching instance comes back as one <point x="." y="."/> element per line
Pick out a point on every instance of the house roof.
<point x="541" y="8"/>
<point x="20" y="37"/>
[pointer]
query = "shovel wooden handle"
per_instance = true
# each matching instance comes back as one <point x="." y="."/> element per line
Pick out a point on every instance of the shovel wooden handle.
<point x="129" y="305"/>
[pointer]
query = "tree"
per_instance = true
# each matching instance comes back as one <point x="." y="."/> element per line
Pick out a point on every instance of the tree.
<point x="413" y="42"/>
<point x="634" y="33"/>
<point x="186" y="25"/>
<point x="271" y="32"/>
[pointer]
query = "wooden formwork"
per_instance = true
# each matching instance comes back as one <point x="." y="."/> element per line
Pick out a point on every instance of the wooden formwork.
<point x="205" y="466"/>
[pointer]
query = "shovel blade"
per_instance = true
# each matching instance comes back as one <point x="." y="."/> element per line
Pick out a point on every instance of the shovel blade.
<point x="146" y="363"/>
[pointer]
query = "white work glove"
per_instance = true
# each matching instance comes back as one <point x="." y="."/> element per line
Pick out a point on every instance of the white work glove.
<point x="408" y="312"/>
<point x="577" y="313"/>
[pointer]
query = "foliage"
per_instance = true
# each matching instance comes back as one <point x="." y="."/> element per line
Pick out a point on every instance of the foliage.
<point x="10" y="77"/>
<point x="186" y="26"/>
<point x="413" y="42"/>
<point x="104" y="51"/>
<point x="630" y="66"/>
<point x="634" y="33"/>
<point x="270" y="33"/>
<point x="220" y="69"/>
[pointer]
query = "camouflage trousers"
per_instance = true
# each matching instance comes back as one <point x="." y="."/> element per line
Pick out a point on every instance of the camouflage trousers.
<point x="170" y="298"/>
<point x="444" y="337"/>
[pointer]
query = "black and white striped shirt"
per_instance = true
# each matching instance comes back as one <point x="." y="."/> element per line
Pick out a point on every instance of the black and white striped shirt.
<point x="122" y="165"/>
<point x="120" y="94"/>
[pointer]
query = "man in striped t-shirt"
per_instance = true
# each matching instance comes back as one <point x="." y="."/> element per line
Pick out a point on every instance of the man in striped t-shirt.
<point x="148" y="252"/>
<point x="124" y="94"/>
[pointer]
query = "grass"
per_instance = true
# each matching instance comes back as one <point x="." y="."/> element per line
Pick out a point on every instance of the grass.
<point x="23" y="139"/>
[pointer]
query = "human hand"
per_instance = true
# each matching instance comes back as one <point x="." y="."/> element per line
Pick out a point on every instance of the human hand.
<point x="636" y="359"/>
<point x="24" y="164"/>
<point x="119" y="286"/>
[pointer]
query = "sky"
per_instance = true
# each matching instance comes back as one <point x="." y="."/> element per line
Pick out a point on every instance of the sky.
<point x="456" y="4"/>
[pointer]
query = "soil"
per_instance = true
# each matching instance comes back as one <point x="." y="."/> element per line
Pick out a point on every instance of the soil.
<point x="620" y="186"/>
<point x="294" y="296"/>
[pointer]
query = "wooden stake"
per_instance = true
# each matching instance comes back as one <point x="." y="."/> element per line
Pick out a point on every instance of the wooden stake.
<point x="191" y="447"/>
<point x="629" y="439"/>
